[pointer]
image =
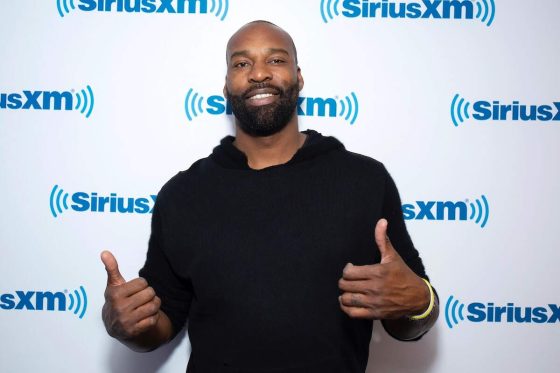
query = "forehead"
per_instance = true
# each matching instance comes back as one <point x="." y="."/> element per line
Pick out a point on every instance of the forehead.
<point x="259" y="37"/>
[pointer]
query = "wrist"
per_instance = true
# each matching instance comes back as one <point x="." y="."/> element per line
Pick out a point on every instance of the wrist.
<point x="426" y="310"/>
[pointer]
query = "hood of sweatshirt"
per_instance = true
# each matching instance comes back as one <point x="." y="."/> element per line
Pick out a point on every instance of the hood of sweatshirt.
<point x="228" y="156"/>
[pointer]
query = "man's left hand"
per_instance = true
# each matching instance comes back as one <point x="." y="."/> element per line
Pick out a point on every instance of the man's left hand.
<point x="387" y="290"/>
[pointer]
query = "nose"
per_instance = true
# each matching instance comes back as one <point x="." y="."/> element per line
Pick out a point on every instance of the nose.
<point x="260" y="72"/>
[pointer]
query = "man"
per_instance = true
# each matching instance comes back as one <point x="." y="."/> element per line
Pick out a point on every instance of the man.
<point x="275" y="248"/>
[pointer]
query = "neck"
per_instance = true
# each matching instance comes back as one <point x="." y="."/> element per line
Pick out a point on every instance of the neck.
<point x="271" y="150"/>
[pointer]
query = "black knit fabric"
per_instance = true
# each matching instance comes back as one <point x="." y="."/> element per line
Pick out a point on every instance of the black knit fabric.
<point x="252" y="258"/>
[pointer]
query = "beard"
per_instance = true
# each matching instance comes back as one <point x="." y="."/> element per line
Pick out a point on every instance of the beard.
<point x="265" y="120"/>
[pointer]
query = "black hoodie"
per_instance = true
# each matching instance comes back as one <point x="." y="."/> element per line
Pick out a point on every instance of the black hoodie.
<point x="252" y="258"/>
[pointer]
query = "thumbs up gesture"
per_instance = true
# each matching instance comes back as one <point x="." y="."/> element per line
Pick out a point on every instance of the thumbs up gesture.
<point x="387" y="290"/>
<point x="130" y="308"/>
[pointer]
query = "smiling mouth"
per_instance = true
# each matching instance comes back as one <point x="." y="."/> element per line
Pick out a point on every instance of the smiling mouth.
<point x="261" y="96"/>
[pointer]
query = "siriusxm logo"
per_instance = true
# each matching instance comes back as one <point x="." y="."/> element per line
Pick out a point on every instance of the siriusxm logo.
<point x="491" y="313"/>
<point x="462" y="110"/>
<point x="46" y="301"/>
<point x="217" y="7"/>
<point x="50" y="100"/>
<point x="449" y="210"/>
<point x="483" y="10"/>
<point x="346" y="108"/>
<point x="92" y="202"/>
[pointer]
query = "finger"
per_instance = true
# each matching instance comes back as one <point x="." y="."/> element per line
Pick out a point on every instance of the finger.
<point x="130" y="288"/>
<point x="386" y="249"/>
<point x="352" y="272"/>
<point x="147" y="322"/>
<point x="147" y="310"/>
<point x="353" y="300"/>
<point x="114" y="277"/>
<point x="142" y="297"/>
<point x="356" y="286"/>
<point x="356" y="312"/>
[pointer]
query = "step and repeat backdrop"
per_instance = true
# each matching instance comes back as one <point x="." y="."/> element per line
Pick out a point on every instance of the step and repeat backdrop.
<point x="101" y="102"/>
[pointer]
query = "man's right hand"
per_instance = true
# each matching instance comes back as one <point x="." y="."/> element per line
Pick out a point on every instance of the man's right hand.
<point x="131" y="308"/>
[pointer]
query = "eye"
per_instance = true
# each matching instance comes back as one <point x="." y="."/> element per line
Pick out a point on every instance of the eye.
<point x="276" y="61"/>
<point x="241" y="64"/>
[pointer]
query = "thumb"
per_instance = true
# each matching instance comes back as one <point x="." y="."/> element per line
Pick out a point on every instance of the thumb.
<point x="386" y="249"/>
<point x="114" y="277"/>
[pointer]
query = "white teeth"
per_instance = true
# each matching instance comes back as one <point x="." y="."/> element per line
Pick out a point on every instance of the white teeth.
<point x="259" y="96"/>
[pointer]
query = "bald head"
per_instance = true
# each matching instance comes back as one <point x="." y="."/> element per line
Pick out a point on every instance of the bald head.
<point x="263" y="79"/>
<point x="258" y="31"/>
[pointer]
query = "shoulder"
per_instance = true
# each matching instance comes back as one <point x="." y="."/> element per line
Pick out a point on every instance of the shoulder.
<point x="358" y="163"/>
<point x="184" y="181"/>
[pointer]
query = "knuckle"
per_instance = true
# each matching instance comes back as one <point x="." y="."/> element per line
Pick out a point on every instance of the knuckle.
<point x="157" y="302"/>
<point x="153" y="320"/>
<point x="348" y="271"/>
<point x="372" y="290"/>
<point x="383" y="271"/>
<point x="147" y="323"/>
<point x="356" y="300"/>
<point x="151" y="308"/>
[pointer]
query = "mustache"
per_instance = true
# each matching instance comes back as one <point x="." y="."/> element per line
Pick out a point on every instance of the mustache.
<point x="262" y="86"/>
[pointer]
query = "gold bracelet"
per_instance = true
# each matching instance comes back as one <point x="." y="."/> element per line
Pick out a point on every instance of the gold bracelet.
<point x="430" y="307"/>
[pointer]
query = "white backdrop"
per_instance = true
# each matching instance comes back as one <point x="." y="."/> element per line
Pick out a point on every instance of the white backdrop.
<point x="400" y="75"/>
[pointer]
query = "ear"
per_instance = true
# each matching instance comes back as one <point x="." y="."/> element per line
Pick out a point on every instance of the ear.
<point x="300" y="79"/>
<point x="224" y="90"/>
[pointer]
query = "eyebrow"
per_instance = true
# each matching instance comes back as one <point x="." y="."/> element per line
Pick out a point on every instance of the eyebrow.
<point x="269" y="50"/>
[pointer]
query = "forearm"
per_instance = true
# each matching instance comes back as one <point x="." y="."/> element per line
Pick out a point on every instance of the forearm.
<point x="406" y="329"/>
<point x="152" y="338"/>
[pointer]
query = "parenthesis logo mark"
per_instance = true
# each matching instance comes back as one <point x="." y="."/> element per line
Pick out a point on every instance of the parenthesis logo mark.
<point x="62" y="6"/>
<point x="349" y="108"/>
<point x="58" y="201"/>
<point x="459" y="110"/>
<point x="220" y="8"/>
<point x="79" y="300"/>
<point x="453" y="312"/>
<point x="480" y="211"/>
<point x="85" y="101"/>
<point x="485" y="11"/>
<point x="193" y="104"/>
<point x="328" y="8"/>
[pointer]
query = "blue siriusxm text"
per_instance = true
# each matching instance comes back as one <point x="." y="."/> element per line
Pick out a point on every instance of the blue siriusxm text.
<point x="112" y="203"/>
<point x="445" y="9"/>
<point x="483" y="10"/>
<point x="497" y="110"/>
<point x="219" y="8"/>
<point x="346" y="107"/>
<point x="61" y="201"/>
<point x="490" y="312"/>
<point x="81" y="100"/>
<point x="20" y="300"/>
<point x="145" y="6"/>
<point x="477" y="211"/>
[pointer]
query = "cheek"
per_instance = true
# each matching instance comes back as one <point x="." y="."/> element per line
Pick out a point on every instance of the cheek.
<point x="234" y="84"/>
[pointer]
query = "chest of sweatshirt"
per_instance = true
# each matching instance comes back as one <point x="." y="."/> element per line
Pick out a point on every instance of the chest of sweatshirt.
<point x="230" y="232"/>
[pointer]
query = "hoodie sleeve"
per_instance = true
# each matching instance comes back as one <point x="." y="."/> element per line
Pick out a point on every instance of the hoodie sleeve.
<point x="175" y="294"/>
